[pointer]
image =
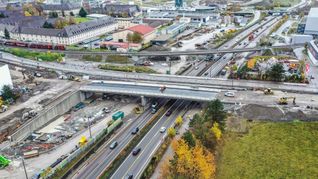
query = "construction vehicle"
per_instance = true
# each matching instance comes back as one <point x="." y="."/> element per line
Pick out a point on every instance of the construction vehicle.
<point x="82" y="141"/>
<point x="284" y="100"/>
<point x="29" y="115"/>
<point x="31" y="154"/>
<point x="268" y="91"/>
<point x="74" y="78"/>
<point x="4" y="162"/>
<point x="162" y="89"/>
<point x="3" y="107"/>
<point x="138" y="110"/>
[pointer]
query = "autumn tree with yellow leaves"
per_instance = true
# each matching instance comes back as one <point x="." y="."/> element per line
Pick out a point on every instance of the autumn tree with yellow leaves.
<point x="188" y="162"/>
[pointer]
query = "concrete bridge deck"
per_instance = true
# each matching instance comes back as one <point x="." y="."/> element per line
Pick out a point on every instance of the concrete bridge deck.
<point x="151" y="90"/>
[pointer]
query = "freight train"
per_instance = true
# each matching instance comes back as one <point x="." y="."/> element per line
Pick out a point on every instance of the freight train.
<point x="48" y="46"/>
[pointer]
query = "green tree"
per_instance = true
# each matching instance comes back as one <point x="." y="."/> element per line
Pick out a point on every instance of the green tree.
<point x="6" y="34"/>
<point x="189" y="139"/>
<point x="2" y="15"/>
<point x="7" y="93"/>
<point x="53" y="14"/>
<point x="82" y="12"/>
<point x="136" y="38"/>
<point x="48" y="25"/>
<point x="129" y="37"/>
<point x="71" y="13"/>
<point x="276" y="72"/>
<point x="215" y="113"/>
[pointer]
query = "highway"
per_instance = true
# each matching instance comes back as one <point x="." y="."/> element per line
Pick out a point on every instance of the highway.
<point x="94" y="166"/>
<point x="152" y="140"/>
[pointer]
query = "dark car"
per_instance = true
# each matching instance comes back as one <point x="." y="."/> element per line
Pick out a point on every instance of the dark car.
<point x="113" y="145"/>
<point x="129" y="176"/>
<point x="136" y="151"/>
<point x="135" y="131"/>
<point x="169" y="113"/>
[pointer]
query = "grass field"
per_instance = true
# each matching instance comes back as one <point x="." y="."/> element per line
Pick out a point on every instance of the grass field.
<point x="81" y="19"/>
<point x="271" y="150"/>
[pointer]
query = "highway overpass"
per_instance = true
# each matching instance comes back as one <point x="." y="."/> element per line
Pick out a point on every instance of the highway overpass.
<point x="151" y="90"/>
<point x="166" y="53"/>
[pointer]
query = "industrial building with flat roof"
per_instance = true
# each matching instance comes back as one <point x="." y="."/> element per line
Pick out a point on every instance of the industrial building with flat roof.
<point x="312" y="22"/>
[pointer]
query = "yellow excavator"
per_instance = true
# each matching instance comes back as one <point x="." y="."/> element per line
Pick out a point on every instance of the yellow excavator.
<point x="284" y="100"/>
<point x="268" y="91"/>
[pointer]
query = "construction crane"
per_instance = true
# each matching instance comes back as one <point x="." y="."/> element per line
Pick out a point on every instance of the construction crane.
<point x="284" y="100"/>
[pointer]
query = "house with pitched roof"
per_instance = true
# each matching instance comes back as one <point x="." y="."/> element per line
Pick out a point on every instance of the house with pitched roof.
<point x="147" y="33"/>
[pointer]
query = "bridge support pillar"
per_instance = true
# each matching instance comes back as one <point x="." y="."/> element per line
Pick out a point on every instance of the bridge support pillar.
<point x="143" y="101"/>
<point x="88" y="94"/>
<point x="135" y="58"/>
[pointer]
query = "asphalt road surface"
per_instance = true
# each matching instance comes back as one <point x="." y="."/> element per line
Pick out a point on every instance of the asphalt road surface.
<point x="135" y="164"/>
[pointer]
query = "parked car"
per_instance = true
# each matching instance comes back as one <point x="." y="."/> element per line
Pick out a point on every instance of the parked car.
<point x="162" y="129"/>
<point x="229" y="94"/>
<point x="136" y="151"/>
<point x="113" y="145"/>
<point x="129" y="176"/>
<point x="135" y="131"/>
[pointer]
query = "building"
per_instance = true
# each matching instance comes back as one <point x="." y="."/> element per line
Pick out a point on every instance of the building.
<point x="178" y="3"/>
<point x="124" y="23"/>
<point x="148" y="33"/>
<point x="69" y="35"/>
<point x="61" y="8"/>
<point x="175" y="29"/>
<point x="313" y="51"/>
<point x="118" y="10"/>
<point x="96" y="16"/>
<point x="301" y="39"/>
<point x="301" y="26"/>
<point x="5" y="76"/>
<point x="311" y="22"/>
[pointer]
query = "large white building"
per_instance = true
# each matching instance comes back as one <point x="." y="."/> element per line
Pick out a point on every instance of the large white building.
<point x="312" y="22"/>
<point x="5" y="77"/>
<point x="69" y="35"/>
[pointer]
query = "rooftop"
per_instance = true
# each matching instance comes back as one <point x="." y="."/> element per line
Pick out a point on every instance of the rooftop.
<point x="313" y="12"/>
<point x="141" y="29"/>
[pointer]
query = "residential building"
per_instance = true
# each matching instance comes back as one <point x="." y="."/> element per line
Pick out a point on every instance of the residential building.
<point x="148" y="33"/>
<point x="69" y="35"/>
<point x="311" y="22"/>
<point x="5" y="76"/>
<point x="313" y="51"/>
<point x="67" y="8"/>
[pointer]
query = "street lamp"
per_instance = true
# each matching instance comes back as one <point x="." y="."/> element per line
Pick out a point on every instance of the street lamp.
<point x="25" y="172"/>
<point x="89" y="127"/>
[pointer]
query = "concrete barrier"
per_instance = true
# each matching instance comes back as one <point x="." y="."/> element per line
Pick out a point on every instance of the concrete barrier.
<point x="58" y="107"/>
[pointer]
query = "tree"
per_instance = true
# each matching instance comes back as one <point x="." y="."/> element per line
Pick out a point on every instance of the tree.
<point x="6" y="33"/>
<point x="48" y="25"/>
<point x="276" y="72"/>
<point x="179" y="120"/>
<point x="216" y="131"/>
<point x="82" y="12"/>
<point x="60" y="23"/>
<point x="63" y="13"/>
<point x="171" y="132"/>
<point x="124" y="14"/>
<point x="189" y="139"/>
<point x="129" y="37"/>
<point x="53" y="14"/>
<point x="7" y="93"/>
<point x="71" y="13"/>
<point x="2" y="15"/>
<point x="71" y="20"/>
<point x="136" y="38"/>
<point x="215" y="113"/>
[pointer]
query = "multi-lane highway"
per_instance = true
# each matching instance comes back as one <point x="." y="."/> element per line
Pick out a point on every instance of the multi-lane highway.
<point x="94" y="167"/>
<point x="134" y="165"/>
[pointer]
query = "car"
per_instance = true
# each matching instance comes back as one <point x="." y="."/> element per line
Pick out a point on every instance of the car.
<point x="229" y="94"/>
<point x="154" y="104"/>
<point x="169" y="113"/>
<point x="153" y="110"/>
<point x="135" y="131"/>
<point x="106" y="110"/>
<point x="136" y="151"/>
<point x="162" y="129"/>
<point x="113" y="145"/>
<point x="196" y="67"/>
<point x="129" y="176"/>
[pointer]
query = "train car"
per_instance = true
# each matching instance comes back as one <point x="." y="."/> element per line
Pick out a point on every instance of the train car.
<point x="22" y="44"/>
<point x="59" y="47"/>
<point x="10" y="43"/>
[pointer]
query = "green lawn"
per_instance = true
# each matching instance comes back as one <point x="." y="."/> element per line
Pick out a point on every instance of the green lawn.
<point x="271" y="150"/>
<point x="81" y="19"/>
<point x="287" y="2"/>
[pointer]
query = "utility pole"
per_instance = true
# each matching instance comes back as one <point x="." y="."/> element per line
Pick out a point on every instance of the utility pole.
<point x="89" y="127"/>
<point x="25" y="172"/>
